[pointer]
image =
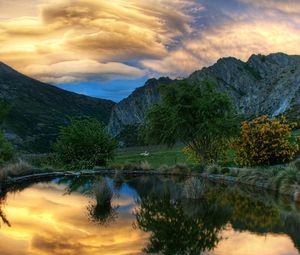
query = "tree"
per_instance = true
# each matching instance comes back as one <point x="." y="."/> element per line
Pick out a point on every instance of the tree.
<point x="130" y="136"/>
<point x="265" y="141"/>
<point x="194" y="114"/>
<point x="84" y="144"/>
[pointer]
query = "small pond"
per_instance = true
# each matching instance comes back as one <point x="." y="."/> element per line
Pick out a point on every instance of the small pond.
<point x="145" y="215"/>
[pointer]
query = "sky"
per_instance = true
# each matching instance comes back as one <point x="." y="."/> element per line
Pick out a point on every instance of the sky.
<point x="107" y="48"/>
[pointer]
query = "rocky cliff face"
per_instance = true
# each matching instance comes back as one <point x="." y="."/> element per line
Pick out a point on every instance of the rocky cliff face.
<point x="262" y="85"/>
<point x="40" y="109"/>
<point x="132" y="109"/>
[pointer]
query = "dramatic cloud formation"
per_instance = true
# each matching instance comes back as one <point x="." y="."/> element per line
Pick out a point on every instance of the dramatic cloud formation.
<point x="65" y="32"/>
<point x="74" y="41"/>
<point x="82" y="70"/>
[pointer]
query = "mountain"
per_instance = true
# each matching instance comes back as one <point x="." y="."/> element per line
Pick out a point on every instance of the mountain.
<point x="132" y="110"/>
<point x="39" y="109"/>
<point x="262" y="85"/>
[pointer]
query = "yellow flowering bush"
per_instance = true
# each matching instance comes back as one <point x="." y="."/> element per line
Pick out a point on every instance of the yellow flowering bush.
<point x="265" y="141"/>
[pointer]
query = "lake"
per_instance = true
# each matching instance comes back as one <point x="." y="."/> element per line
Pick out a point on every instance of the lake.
<point x="145" y="215"/>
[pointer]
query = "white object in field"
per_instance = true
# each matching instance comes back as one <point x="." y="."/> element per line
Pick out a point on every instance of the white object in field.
<point x="145" y="154"/>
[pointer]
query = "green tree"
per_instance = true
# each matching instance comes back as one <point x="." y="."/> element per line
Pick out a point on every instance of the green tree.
<point x="130" y="136"/>
<point x="195" y="114"/>
<point x="84" y="144"/>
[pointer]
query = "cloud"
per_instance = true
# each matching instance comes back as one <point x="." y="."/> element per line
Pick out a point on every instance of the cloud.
<point x="107" y="32"/>
<point x="240" y="37"/>
<point x="287" y="6"/>
<point x="129" y="38"/>
<point x="82" y="70"/>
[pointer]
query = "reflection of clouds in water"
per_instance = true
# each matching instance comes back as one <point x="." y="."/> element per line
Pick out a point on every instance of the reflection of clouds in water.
<point x="50" y="226"/>
<point x="47" y="222"/>
<point x="246" y="243"/>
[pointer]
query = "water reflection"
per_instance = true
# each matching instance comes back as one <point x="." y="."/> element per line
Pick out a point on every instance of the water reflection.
<point x="100" y="209"/>
<point x="145" y="215"/>
<point x="2" y="213"/>
<point x="180" y="227"/>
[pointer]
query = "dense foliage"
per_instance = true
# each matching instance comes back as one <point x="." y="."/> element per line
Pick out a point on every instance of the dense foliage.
<point x="130" y="136"/>
<point x="265" y="141"/>
<point x="84" y="144"/>
<point x="5" y="108"/>
<point x="6" y="149"/>
<point x="194" y="114"/>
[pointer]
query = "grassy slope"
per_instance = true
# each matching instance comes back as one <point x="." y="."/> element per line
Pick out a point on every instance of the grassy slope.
<point x="160" y="155"/>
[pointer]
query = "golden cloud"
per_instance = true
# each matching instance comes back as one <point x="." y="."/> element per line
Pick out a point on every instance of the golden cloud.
<point x="82" y="70"/>
<point x="86" y="30"/>
<point x="160" y="36"/>
<point x="57" y="224"/>
<point x="237" y="39"/>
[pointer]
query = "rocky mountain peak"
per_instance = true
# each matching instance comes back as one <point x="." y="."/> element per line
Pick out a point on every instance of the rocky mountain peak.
<point x="132" y="109"/>
<point x="265" y="84"/>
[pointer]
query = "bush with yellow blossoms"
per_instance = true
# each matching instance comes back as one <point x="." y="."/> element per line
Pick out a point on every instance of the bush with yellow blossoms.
<point x="265" y="141"/>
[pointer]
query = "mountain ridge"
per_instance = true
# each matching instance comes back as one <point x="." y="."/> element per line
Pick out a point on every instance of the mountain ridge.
<point x="39" y="109"/>
<point x="264" y="84"/>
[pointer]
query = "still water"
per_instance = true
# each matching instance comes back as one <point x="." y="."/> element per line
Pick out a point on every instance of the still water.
<point x="145" y="215"/>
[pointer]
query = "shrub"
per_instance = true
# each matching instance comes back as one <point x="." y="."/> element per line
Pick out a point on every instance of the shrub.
<point x="17" y="169"/>
<point x="263" y="175"/>
<point x="265" y="141"/>
<point x="7" y="151"/>
<point x="225" y="170"/>
<point x="84" y="144"/>
<point x="213" y="169"/>
<point x="145" y="165"/>
<point x="297" y="164"/>
<point x="288" y="180"/>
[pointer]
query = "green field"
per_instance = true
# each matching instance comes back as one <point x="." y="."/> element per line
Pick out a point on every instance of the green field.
<point x="158" y="155"/>
<point x="161" y="155"/>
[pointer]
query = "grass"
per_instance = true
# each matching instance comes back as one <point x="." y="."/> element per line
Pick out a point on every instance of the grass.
<point x="158" y="156"/>
<point x="163" y="156"/>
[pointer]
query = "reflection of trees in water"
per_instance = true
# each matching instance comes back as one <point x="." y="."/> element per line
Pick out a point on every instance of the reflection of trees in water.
<point x="260" y="213"/>
<point x="178" y="226"/>
<point x="251" y="211"/>
<point x="2" y="213"/>
<point x="100" y="210"/>
<point x="3" y="196"/>
<point x="248" y="210"/>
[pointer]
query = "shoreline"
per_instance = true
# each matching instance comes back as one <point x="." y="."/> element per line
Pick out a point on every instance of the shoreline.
<point x="218" y="178"/>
